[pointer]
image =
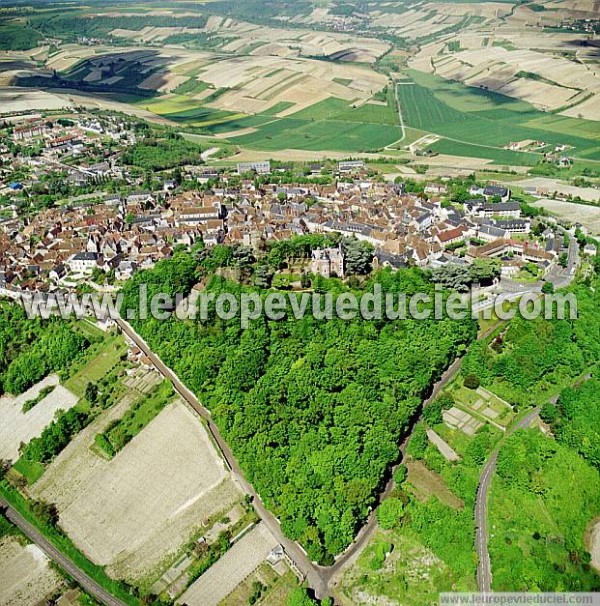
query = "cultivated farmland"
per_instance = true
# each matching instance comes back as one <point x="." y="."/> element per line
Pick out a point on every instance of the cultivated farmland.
<point x="25" y="575"/>
<point x="135" y="512"/>
<point x="467" y="115"/>
<point x="17" y="426"/>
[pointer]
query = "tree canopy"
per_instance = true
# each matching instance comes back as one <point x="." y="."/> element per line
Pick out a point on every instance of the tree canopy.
<point x="314" y="410"/>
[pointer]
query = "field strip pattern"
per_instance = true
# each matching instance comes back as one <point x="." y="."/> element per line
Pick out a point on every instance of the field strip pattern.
<point x="224" y="576"/>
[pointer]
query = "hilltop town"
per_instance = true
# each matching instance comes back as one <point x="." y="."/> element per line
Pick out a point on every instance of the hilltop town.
<point x="100" y="237"/>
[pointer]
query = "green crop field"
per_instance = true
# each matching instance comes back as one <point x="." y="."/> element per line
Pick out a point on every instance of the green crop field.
<point x="498" y="156"/>
<point x="290" y="133"/>
<point x="478" y="117"/>
<point x="331" y="124"/>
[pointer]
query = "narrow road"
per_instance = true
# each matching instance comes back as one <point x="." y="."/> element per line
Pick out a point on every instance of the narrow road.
<point x="400" y="117"/>
<point x="86" y="582"/>
<point x="484" y="567"/>
<point x="311" y="571"/>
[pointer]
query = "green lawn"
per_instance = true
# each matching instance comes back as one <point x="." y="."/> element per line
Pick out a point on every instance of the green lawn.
<point x="30" y="470"/>
<point x="99" y="360"/>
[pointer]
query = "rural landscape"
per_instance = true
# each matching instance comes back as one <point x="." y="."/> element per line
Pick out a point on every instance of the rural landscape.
<point x="299" y="302"/>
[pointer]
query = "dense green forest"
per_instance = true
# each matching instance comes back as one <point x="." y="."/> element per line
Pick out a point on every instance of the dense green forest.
<point x="159" y="154"/>
<point x="542" y="501"/>
<point x="313" y="410"/>
<point x="576" y="420"/>
<point x="32" y="349"/>
<point x="535" y="359"/>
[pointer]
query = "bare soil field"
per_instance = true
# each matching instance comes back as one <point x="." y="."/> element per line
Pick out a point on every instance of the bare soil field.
<point x="17" y="426"/>
<point x="257" y="83"/>
<point x="26" y="578"/>
<point x="135" y="512"/>
<point x="425" y="483"/>
<point x="14" y="99"/>
<point x="588" y="216"/>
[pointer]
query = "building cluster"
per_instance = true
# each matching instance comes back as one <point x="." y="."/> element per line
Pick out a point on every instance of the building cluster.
<point x="73" y="148"/>
<point x="60" y="248"/>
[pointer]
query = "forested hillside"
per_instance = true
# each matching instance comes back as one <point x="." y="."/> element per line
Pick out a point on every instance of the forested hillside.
<point x="313" y="410"/>
<point x="535" y="359"/>
<point x="31" y="349"/>
<point x="543" y="499"/>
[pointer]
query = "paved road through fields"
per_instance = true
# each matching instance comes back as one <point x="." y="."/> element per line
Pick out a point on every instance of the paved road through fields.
<point x="85" y="581"/>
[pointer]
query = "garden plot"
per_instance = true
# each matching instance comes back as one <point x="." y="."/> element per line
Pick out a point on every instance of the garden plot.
<point x="134" y="512"/>
<point x="17" y="426"/>
<point x="224" y="576"/>
<point x="475" y="407"/>
<point x="26" y="578"/>
<point x="455" y="418"/>
<point x="445" y="449"/>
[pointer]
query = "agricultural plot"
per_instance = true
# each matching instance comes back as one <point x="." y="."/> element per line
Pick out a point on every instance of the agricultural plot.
<point x="277" y="592"/>
<point x="17" y="426"/>
<point x="229" y="571"/>
<point x="135" y="512"/>
<point x="14" y="99"/>
<point x="589" y="216"/>
<point x="100" y="359"/>
<point x="474" y="117"/>
<point x="26" y="577"/>
<point x="476" y="407"/>
<point x="289" y="133"/>
<point x="331" y="125"/>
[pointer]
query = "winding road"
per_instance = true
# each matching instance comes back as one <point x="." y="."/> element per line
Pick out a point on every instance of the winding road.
<point x="484" y="567"/>
<point x="560" y="277"/>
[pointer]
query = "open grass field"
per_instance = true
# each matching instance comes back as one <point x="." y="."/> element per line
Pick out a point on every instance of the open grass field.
<point x="135" y="512"/>
<point x="411" y="574"/>
<point x="26" y="578"/>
